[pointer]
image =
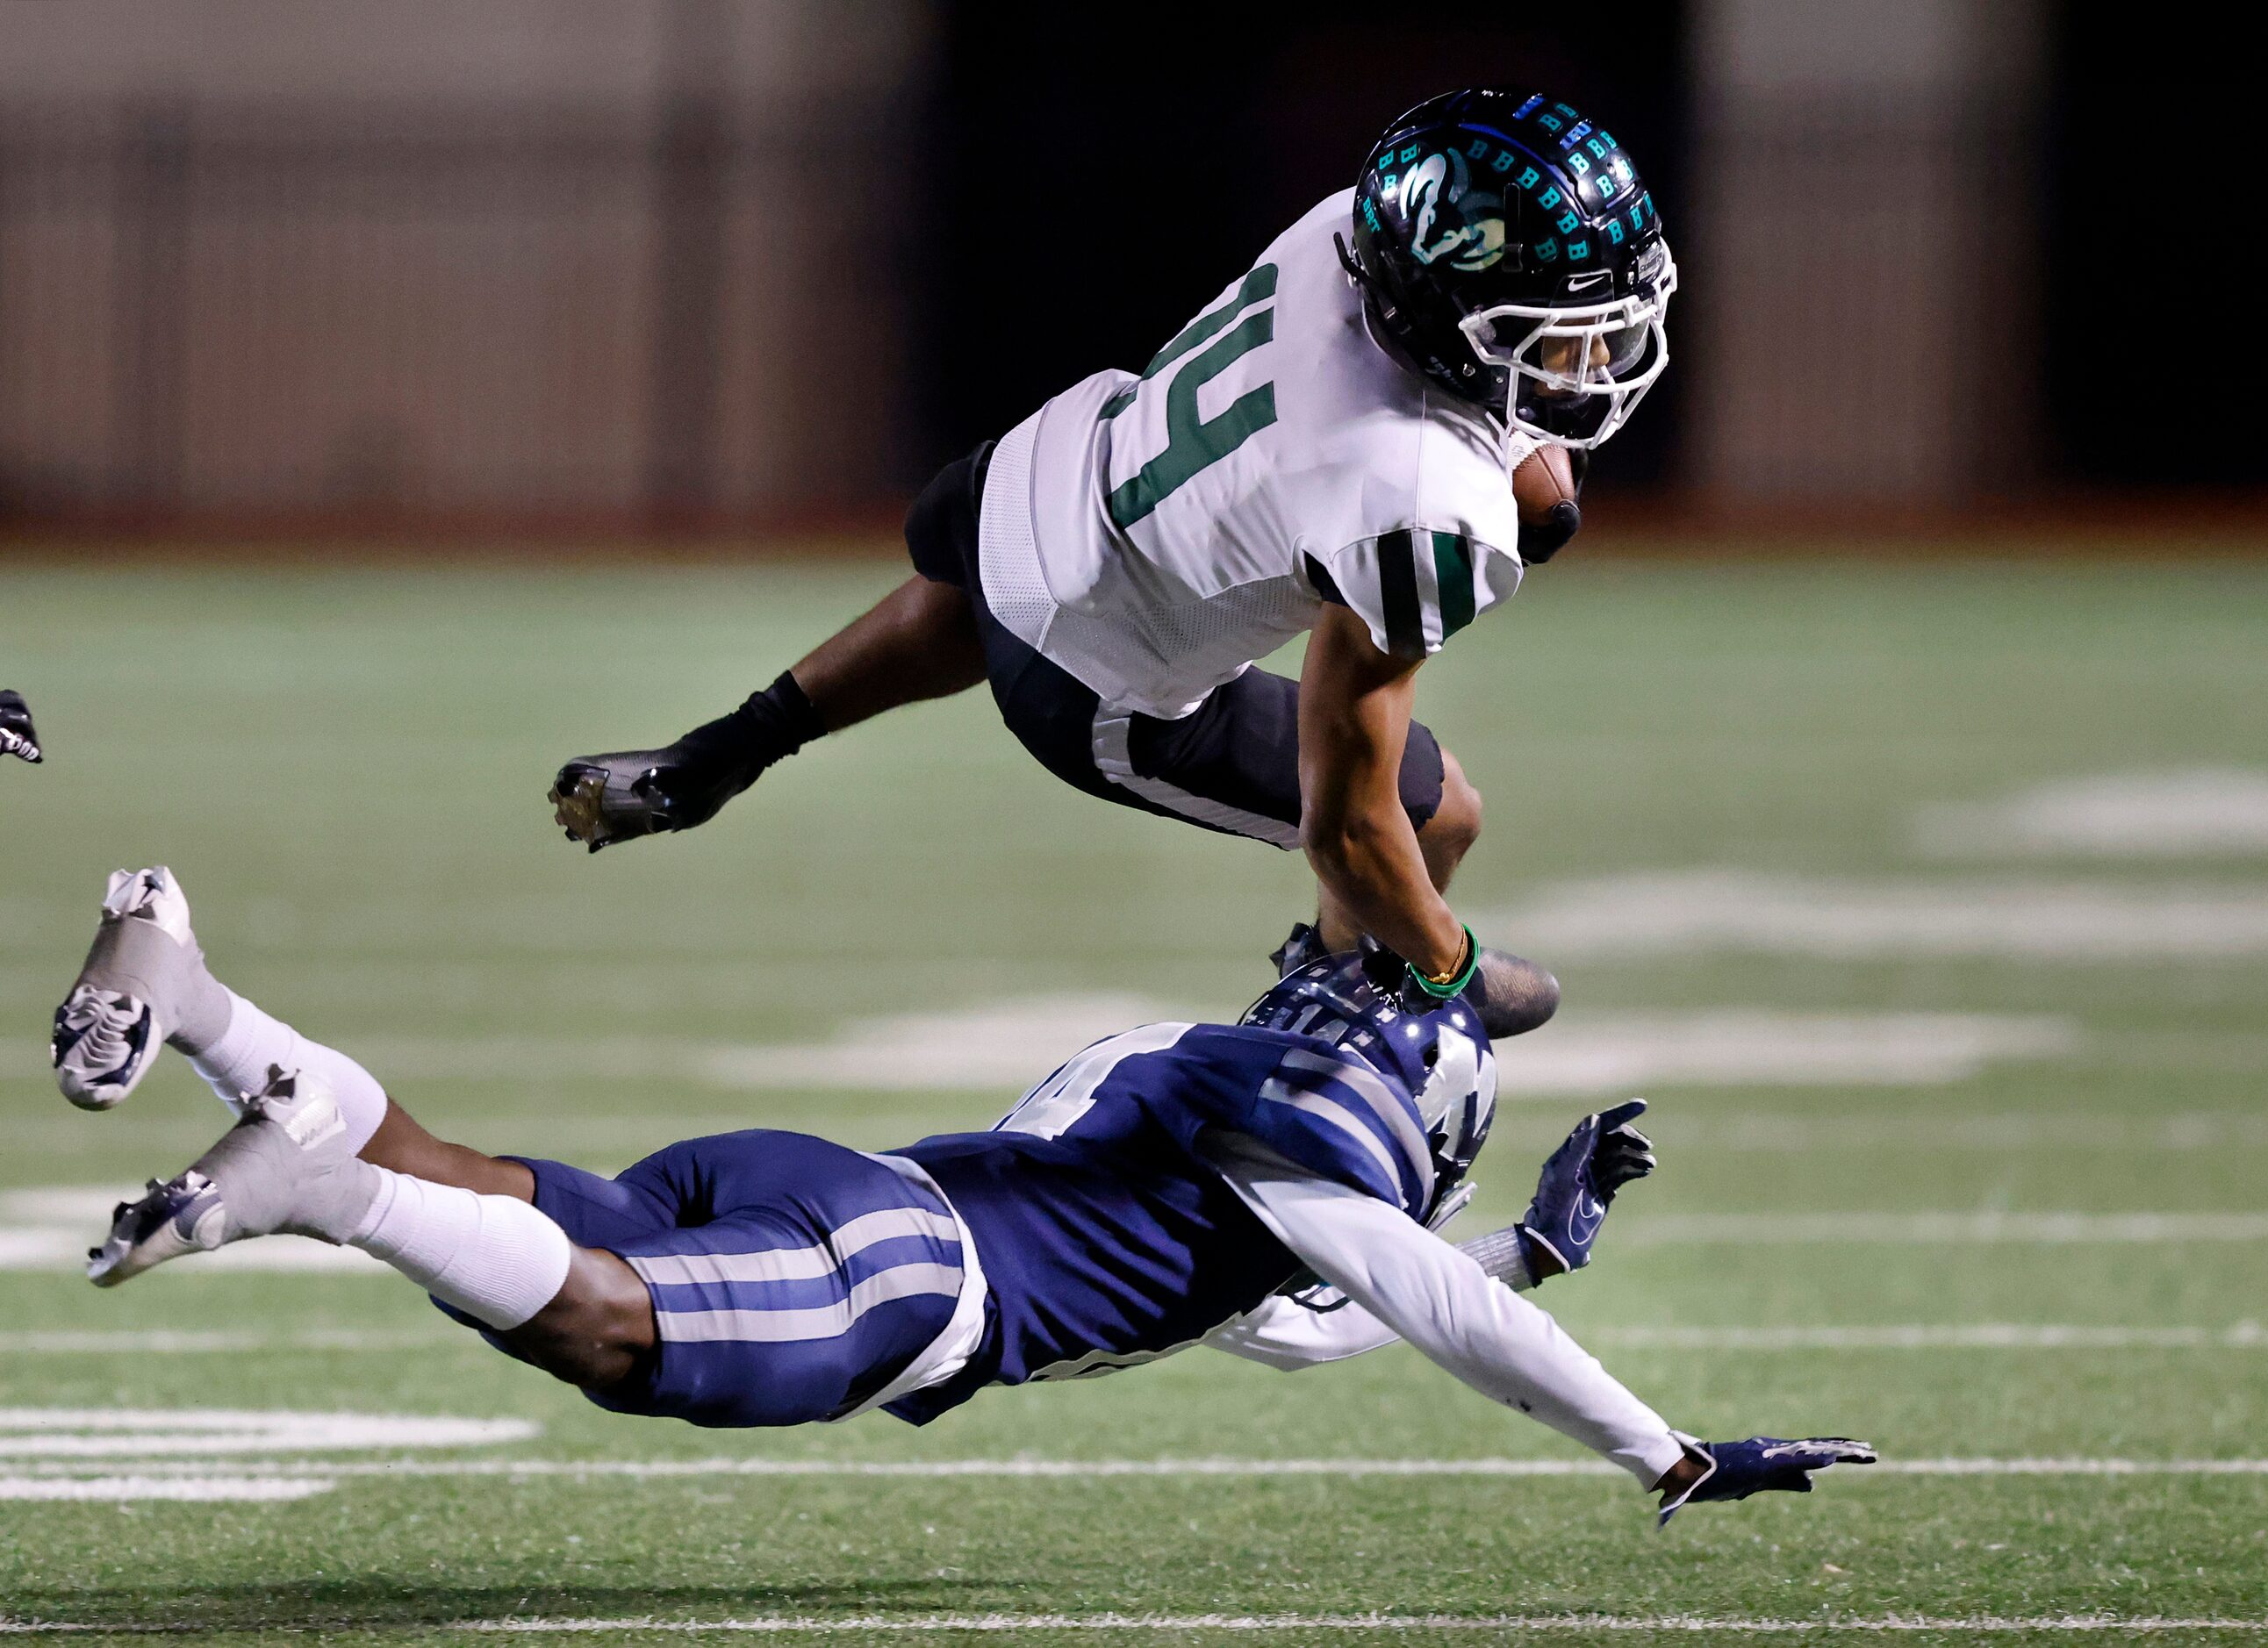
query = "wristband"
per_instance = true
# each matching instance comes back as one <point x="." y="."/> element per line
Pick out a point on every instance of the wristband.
<point x="1455" y="984"/>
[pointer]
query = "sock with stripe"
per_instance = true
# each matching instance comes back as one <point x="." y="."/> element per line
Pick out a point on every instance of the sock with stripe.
<point x="235" y="1052"/>
<point x="495" y="1258"/>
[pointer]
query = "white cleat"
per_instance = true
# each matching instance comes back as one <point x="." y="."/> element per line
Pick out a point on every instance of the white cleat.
<point x="141" y="975"/>
<point x="285" y="1165"/>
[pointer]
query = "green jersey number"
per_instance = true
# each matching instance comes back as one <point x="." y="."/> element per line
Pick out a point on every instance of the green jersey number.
<point x="1193" y="442"/>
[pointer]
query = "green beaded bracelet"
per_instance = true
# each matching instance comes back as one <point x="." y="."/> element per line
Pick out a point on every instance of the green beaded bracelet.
<point x="1464" y="975"/>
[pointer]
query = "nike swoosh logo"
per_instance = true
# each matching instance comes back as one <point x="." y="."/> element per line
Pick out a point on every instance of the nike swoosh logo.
<point x="1583" y="1222"/>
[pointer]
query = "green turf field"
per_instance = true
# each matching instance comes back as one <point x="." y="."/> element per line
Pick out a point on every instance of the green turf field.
<point x="1771" y="826"/>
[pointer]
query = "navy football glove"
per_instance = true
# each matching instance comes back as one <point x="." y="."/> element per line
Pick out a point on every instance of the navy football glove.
<point x="1604" y="1153"/>
<point x="16" y="737"/>
<point x="1764" y="1465"/>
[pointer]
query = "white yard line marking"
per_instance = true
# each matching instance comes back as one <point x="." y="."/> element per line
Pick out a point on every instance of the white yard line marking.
<point x="1787" y="1132"/>
<point x="1967" y="1229"/>
<point x="2198" y="814"/>
<point x="2246" y="1335"/>
<point x="121" y="1488"/>
<point x="1584" y="1054"/>
<point x="189" y="1342"/>
<point x="1712" y="911"/>
<point x="795" y="1625"/>
<point x="51" y="1229"/>
<point x="1004" y="1045"/>
<point x="1080" y="1470"/>
<point x="147" y="1433"/>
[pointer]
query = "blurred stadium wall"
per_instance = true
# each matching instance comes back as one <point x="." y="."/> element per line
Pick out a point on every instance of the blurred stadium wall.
<point x="659" y="264"/>
<point x="571" y="260"/>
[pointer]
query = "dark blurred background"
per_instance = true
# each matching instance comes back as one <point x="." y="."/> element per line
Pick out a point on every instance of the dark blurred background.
<point x="565" y="265"/>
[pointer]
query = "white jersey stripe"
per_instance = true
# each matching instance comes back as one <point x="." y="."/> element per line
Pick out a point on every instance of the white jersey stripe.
<point x="1113" y="759"/>
<point x="819" y="1321"/>
<point x="1339" y="1116"/>
<point x="799" y="1264"/>
<point x="1374" y="1090"/>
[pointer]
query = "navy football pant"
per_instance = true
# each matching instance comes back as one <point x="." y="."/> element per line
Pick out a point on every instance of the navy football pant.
<point x="1233" y="764"/>
<point x="792" y="1278"/>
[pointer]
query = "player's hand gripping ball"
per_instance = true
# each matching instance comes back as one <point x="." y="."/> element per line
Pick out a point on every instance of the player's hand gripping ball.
<point x="1547" y="486"/>
<point x="16" y="737"/>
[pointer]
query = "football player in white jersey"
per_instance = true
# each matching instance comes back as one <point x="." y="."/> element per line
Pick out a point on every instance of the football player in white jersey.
<point x="1326" y="449"/>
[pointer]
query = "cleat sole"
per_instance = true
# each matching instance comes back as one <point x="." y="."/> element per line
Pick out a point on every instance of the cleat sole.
<point x="104" y="1043"/>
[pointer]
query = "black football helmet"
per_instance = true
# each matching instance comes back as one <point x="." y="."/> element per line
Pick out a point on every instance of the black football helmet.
<point x="1506" y="244"/>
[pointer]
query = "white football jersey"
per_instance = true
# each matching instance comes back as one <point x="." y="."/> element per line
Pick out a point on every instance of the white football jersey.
<point x="1154" y="534"/>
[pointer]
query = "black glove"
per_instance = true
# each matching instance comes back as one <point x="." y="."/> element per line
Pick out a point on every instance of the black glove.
<point x="16" y="737"/>
<point x="602" y="799"/>
<point x="1540" y="540"/>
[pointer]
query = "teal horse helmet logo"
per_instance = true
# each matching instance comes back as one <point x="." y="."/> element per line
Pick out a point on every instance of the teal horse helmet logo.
<point x="1449" y="219"/>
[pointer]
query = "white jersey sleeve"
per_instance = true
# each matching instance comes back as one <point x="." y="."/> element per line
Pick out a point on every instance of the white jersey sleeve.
<point x="1415" y="587"/>
<point x="1416" y="1284"/>
<point x="1286" y="1334"/>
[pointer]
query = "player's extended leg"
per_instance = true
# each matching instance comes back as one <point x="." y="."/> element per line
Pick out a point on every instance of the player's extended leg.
<point x="451" y="1217"/>
<point x="289" y="1166"/>
<point x="920" y="641"/>
<point x="145" y="987"/>
<point x="917" y="642"/>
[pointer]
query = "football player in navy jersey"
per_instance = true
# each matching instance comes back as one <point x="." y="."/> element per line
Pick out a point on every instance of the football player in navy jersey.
<point x="1271" y="1188"/>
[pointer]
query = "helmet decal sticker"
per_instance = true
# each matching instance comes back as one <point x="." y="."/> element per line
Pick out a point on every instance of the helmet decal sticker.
<point x="1439" y="188"/>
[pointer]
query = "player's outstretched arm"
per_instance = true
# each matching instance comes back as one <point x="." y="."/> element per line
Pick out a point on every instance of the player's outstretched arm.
<point x="16" y="737"/>
<point x="1456" y="1315"/>
<point x="1603" y="1153"/>
<point x="1445" y="1304"/>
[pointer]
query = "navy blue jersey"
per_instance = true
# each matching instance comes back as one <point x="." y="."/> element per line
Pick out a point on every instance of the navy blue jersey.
<point x="1107" y="1239"/>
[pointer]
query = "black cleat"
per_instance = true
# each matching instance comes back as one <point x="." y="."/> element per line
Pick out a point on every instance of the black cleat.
<point x="1305" y="944"/>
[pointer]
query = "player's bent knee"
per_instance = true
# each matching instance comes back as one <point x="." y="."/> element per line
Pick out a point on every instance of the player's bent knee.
<point x="597" y="1330"/>
<point x="1456" y="823"/>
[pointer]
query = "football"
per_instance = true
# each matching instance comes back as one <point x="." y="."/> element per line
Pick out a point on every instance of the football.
<point x="1543" y="480"/>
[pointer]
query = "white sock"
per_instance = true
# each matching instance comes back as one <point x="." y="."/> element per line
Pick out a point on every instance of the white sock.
<point x="495" y="1258"/>
<point x="237" y="1064"/>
